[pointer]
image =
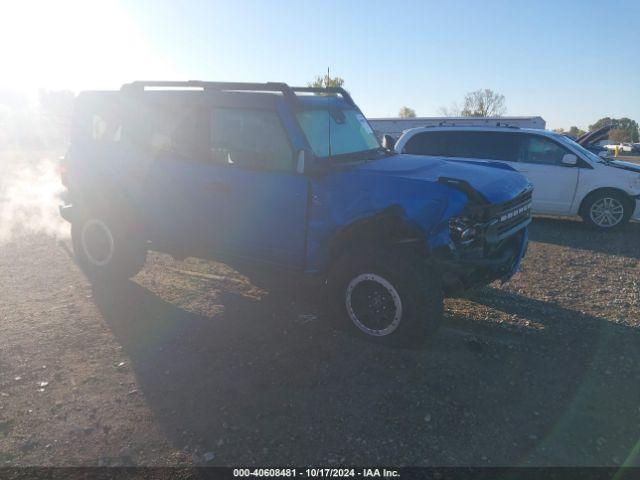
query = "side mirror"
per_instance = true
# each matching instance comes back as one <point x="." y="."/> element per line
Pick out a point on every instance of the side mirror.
<point x="570" y="159"/>
<point x="388" y="141"/>
<point x="604" y="154"/>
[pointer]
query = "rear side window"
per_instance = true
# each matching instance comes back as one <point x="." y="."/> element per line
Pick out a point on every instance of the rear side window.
<point x="484" y="145"/>
<point x="173" y="130"/>
<point x="425" y="143"/>
<point x="180" y="131"/>
<point x="192" y="136"/>
<point x="250" y="138"/>
<point x="100" y="122"/>
<point x="541" y="150"/>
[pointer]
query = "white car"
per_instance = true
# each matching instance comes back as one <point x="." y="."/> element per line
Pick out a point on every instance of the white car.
<point x="622" y="147"/>
<point x="567" y="178"/>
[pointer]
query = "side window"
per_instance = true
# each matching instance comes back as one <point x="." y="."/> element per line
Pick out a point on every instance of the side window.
<point x="105" y="128"/>
<point x="540" y="150"/>
<point x="191" y="138"/>
<point x="425" y="143"/>
<point x="484" y="145"/>
<point x="465" y="144"/>
<point x="250" y="138"/>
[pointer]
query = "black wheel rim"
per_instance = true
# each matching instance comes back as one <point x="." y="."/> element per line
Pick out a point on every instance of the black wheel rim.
<point x="373" y="304"/>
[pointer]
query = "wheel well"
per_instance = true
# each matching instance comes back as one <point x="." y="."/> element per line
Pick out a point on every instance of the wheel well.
<point x="107" y="196"/>
<point x="602" y="190"/>
<point x="386" y="229"/>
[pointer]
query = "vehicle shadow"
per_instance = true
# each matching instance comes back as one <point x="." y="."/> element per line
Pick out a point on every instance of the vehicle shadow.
<point x="257" y="385"/>
<point x="576" y="234"/>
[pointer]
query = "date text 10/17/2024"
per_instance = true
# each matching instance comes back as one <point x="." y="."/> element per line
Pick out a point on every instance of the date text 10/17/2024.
<point x="316" y="472"/>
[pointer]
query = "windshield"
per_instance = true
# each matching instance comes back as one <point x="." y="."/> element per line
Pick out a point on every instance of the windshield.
<point x="348" y="130"/>
<point x="583" y="151"/>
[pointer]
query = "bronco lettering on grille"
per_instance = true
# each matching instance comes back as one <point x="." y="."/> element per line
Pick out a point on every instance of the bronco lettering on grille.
<point x="515" y="212"/>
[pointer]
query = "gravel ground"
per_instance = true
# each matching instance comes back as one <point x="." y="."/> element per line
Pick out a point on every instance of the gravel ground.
<point x="191" y="363"/>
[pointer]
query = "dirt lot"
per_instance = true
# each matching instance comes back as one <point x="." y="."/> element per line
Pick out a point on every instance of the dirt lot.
<point x="191" y="363"/>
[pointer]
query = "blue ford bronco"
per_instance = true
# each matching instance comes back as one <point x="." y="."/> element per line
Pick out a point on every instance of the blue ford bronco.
<point x="289" y="179"/>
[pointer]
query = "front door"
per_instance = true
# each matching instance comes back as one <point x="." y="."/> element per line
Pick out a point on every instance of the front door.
<point x="540" y="160"/>
<point x="265" y="206"/>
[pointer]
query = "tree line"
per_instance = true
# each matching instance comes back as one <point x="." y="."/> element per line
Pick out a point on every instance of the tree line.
<point x="488" y="103"/>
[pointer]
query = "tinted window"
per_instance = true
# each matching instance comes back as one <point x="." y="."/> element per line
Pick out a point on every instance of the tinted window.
<point x="251" y="138"/>
<point x="485" y="145"/>
<point x="166" y="130"/>
<point x="541" y="150"/>
<point x="191" y="138"/>
<point x="425" y="143"/>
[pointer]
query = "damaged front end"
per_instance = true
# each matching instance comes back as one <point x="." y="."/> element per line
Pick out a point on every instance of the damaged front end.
<point x="486" y="241"/>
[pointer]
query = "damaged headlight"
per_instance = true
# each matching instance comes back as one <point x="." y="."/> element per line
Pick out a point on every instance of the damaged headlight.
<point x="462" y="230"/>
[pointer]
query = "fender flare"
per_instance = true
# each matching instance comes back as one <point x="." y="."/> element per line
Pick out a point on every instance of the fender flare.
<point x="387" y="228"/>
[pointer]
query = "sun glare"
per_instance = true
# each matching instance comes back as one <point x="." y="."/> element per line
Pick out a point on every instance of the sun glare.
<point x="73" y="45"/>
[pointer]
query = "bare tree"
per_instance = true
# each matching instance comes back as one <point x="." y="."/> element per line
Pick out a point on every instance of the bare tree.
<point x="452" y="111"/>
<point x="406" y="112"/>
<point x="483" y="103"/>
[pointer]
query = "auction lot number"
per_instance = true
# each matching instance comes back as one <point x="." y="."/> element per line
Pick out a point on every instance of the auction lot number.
<point x="314" y="472"/>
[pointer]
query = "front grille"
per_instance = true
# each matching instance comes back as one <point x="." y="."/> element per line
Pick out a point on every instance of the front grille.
<point x="508" y="217"/>
<point x="506" y="225"/>
<point x="502" y="208"/>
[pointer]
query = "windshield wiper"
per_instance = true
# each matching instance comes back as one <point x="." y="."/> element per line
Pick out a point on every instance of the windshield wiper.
<point x="359" y="155"/>
<point x="362" y="155"/>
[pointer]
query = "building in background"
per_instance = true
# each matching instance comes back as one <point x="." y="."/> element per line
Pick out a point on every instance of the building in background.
<point x="394" y="126"/>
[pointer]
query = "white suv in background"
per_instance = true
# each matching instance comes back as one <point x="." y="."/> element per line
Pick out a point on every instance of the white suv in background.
<point x="567" y="178"/>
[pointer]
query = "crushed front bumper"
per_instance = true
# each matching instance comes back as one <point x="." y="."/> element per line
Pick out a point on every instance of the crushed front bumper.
<point x="462" y="270"/>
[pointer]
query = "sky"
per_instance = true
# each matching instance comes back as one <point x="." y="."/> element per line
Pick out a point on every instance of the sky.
<point x="570" y="62"/>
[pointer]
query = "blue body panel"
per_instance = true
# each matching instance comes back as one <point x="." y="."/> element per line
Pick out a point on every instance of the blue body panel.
<point x="406" y="182"/>
<point x="286" y="218"/>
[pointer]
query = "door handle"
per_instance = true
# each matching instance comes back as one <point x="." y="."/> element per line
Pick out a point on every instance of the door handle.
<point x="217" y="186"/>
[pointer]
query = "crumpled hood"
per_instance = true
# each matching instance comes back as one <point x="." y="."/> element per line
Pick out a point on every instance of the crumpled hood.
<point x="497" y="182"/>
<point x="632" y="167"/>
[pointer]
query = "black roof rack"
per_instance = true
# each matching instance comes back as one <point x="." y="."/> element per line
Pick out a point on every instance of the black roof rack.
<point x="333" y="90"/>
<point x="446" y="123"/>
<point x="288" y="92"/>
<point x="140" y="86"/>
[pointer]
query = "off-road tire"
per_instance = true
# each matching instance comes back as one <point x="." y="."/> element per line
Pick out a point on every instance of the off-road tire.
<point x="107" y="248"/>
<point x="420" y="295"/>
<point x="617" y="202"/>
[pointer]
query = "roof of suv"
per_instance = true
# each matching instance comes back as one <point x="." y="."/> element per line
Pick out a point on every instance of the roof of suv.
<point x="474" y="128"/>
<point x="191" y="92"/>
<point x="407" y="134"/>
<point x="308" y="96"/>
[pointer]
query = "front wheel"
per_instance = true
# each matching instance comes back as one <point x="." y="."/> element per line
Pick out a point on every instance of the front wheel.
<point x="107" y="248"/>
<point x="606" y="210"/>
<point x="385" y="297"/>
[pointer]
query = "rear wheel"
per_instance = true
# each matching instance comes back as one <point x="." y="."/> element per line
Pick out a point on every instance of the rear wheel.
<point x="385" y="297"/>
<point x="107" y="248"/>
<point x="606" y="209"/>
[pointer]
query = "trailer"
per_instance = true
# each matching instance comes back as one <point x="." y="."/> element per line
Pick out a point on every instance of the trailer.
<point x="394" y="126"/>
